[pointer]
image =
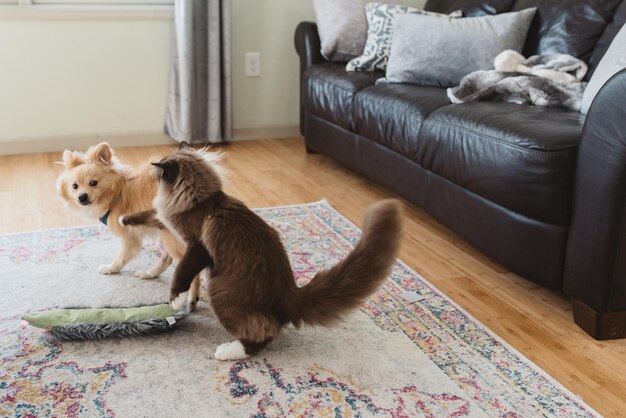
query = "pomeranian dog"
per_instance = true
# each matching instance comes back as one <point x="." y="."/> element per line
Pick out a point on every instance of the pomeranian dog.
<point x="252" y="288"/>
<point x="98" y="186"/>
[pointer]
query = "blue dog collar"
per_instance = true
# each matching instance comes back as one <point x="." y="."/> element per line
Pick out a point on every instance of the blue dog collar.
<point x="105" y="218"/>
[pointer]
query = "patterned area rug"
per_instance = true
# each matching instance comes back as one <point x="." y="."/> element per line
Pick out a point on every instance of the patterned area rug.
<point x="391" y="358"/>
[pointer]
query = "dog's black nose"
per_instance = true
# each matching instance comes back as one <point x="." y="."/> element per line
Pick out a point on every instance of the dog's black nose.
<point x="83" y="198"/>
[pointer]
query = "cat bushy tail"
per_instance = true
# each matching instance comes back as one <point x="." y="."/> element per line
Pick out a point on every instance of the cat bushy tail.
<point x="334" y="292"/>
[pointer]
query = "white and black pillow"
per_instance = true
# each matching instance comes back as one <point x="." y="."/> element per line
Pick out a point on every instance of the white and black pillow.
<point x="379" y="30"/>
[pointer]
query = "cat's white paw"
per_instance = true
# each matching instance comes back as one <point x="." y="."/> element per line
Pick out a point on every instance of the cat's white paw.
<point x="145" y="274"/>
<point x="231" y="351"/>
<point x="180" y="301"/>
<point x="121" y="221"/>
<point x="108" y="269"/>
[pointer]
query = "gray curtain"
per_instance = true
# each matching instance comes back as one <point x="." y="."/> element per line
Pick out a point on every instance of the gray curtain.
<point x="199" y="105"/>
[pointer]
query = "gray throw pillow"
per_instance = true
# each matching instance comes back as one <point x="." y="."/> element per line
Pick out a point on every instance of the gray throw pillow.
<point x="440" y="51"/>
<point x="379" y="29"/>
<point x="342" y="27"/>
<point x="612" y="63"/>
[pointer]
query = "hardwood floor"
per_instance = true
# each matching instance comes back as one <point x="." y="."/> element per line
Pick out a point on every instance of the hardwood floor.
<point x="535" y="321"/>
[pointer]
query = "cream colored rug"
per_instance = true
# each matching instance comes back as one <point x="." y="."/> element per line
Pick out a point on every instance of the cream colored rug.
<point x="392" y="358"/>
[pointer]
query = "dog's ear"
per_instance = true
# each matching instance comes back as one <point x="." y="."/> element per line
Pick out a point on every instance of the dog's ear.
<point x="61" y="186"/>
<point x="72" y="159"/>
<point x="101" y="153"/>
<point x="184" y="145"/>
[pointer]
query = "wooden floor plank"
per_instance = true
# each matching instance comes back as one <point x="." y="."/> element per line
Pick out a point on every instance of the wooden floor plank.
<point x="534" y="320"/>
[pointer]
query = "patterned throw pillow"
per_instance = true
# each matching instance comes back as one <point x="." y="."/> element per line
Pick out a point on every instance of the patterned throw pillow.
<point x="379" y="30"/>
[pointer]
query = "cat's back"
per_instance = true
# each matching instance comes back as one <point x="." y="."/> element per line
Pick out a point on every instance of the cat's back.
<point x="233" y="229"/>
<point x="232" y="214"/>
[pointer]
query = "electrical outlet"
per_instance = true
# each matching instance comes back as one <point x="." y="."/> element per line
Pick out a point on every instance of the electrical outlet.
<point x="253" y="64"/>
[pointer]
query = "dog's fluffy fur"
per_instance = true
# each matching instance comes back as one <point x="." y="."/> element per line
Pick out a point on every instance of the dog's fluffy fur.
<point x="94" y="183"/>
<point x="252" y="287"/>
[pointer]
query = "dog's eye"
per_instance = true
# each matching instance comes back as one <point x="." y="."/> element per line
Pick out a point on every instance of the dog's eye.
<point x="93" y="183"/>
<point x="74" y="186"/>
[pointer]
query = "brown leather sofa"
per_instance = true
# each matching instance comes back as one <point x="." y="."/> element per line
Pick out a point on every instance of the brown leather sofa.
<point x="540" y="190"/>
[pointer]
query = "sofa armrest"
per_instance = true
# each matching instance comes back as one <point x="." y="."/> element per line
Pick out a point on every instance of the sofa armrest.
<point x="308" y="47"/>
<point x="595" y="265"/>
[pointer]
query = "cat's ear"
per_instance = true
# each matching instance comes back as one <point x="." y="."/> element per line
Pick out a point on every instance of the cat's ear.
<point x="72" y="159"/>
<point x="167" y="170"/>
<point x="184" y="145"/>
<point x="100" y="153"/>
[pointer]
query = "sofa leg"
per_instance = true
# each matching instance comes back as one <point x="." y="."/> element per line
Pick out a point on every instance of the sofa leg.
<point x="310" y="150"/>
<point x="601" y="326"/>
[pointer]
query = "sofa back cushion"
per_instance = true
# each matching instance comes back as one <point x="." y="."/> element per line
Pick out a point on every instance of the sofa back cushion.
<point x="619" y="19"/>
<point x="567" y="26"/>
<point x="470" y="7"/>
<point x="563" y="26"/>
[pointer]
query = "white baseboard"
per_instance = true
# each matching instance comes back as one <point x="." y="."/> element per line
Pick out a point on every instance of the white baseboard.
<point x="269" y="132"/>
<point x="131" y="139"/>
<point x="80" y="142"/>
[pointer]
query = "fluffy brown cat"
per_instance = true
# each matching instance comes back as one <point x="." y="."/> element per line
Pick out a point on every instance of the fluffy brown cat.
<point x="252" y="287"/>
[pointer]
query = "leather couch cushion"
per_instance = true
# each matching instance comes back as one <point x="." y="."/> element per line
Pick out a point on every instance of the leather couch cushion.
<point x="470" y="7"/>
<point x="392" y="114"/>
<point x="518" y="156"/>
<point x="619" y="19"/>
<point x="328" y="90"/>
<point x="566" y="26"/>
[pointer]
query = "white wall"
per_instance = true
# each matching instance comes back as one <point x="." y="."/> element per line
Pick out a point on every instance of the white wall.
<point x="82" y="77"/>
<point x="77" y="77"/>
<point x="267" y="26"/>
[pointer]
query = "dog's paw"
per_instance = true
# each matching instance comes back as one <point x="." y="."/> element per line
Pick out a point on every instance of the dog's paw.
<point x="231" y="351"/>
<point x="179" y="301"/>
<point x="108" y="269"/>
<point x="122" y="221"/>
<point x="145" y="275"/>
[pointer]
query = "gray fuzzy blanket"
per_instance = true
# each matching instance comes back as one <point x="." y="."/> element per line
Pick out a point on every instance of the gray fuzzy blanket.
<point x="552" y="80"/>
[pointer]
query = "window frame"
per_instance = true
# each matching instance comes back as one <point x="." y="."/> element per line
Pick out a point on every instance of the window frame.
<point x="86" y="10"/>
<point x="101" y="2"/>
